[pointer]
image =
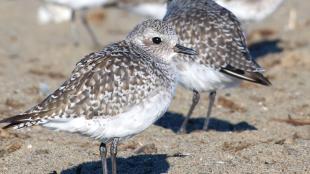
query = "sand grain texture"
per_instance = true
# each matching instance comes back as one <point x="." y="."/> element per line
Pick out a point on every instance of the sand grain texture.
<point x="249" y="132"/>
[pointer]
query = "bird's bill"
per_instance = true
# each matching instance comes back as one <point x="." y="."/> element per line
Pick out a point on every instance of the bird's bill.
<point x="184" y="50"/>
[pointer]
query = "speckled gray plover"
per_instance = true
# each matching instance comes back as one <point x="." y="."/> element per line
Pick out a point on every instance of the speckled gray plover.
<point x="115" y="93"/>
<point x="223" y="57"/>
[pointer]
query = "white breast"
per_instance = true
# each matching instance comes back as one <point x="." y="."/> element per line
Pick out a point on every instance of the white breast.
<point x="202" y="78"/>
<point x="124" y="125"/>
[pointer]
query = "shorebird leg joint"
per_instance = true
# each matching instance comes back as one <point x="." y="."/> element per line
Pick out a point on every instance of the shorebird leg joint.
<point x="212" y="95"/>
<point x="195" y="100"/>
<point x="103" y="155"/>
<point x="113" y="152"/>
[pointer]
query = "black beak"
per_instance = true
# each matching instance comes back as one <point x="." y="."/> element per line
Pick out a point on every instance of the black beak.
<point x="184" y="50"/>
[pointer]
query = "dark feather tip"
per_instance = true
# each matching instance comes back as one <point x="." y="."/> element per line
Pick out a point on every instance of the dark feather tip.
<point x="254" y="77"/>
<point x="13" y="121"/>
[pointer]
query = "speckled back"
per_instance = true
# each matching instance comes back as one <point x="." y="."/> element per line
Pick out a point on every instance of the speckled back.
<point x="107" y="83"/>
<point x="213" y="31"/>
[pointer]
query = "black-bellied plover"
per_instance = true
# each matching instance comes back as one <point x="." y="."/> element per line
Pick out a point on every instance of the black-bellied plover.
<point x="66" y="10"/>
<point x="115" y="93"/>
<point x="223" y="56"/>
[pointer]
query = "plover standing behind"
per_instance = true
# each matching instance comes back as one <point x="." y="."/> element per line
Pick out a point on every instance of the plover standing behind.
<point x="223" y="56"/>
<point x="115" y="93"/>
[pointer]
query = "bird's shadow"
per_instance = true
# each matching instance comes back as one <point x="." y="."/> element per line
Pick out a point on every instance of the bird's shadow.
<point x="262" y="48"/>
<point x="139" y="164"/>
<point x="173" y="121"/>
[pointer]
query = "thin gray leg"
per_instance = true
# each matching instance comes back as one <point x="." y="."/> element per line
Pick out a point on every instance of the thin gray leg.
<point x="74" y="30"/>
<point x="103" y="155"/>
<point x="89" y="30"/>
<point x="211" y="103"/>
<point x="195" y="100"/>
<point x="113" y="152"/>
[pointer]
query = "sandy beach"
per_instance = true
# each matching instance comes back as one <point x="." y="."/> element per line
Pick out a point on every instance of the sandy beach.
<point x="253" y="129"/>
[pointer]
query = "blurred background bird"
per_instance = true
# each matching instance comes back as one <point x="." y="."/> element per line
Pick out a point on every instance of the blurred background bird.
<point x="147" y="8"/>
<point x="245" y="10"/>
<point x="251" y="10"/>
<point x="57" y="11"/>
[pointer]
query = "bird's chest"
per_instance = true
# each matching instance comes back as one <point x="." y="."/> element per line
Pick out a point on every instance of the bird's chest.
<point x="203" y="78"/>
<point x="138" y="118"/>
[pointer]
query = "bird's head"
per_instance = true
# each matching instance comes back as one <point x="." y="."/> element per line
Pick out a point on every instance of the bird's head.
<point x="158" y="38"/>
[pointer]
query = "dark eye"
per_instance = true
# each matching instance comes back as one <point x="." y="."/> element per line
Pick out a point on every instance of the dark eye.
<point x="156" y="40"/>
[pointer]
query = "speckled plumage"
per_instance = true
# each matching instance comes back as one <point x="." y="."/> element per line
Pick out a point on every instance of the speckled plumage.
<point x="213" y="31"/>
<point x="114" y="93"/>
<point x="110" y="82"/>
<point x="223" y="57"/>
<point x="105" y="84"/>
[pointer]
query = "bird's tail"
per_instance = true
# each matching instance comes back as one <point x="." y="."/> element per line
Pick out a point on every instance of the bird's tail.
<point x="255" y="77"/>
<point x="21" y="120"/>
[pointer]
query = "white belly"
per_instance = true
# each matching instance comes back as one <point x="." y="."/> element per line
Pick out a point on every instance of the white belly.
<point x="201" y="78"/>
<point x="124" y="125"/>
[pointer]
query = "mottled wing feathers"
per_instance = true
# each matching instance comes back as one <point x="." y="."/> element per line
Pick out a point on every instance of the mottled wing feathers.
<point x="104" y="83"/>
<point x="240" y="55"/>
<point x="17" y="120"/>
<point x="215" y="33"/>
